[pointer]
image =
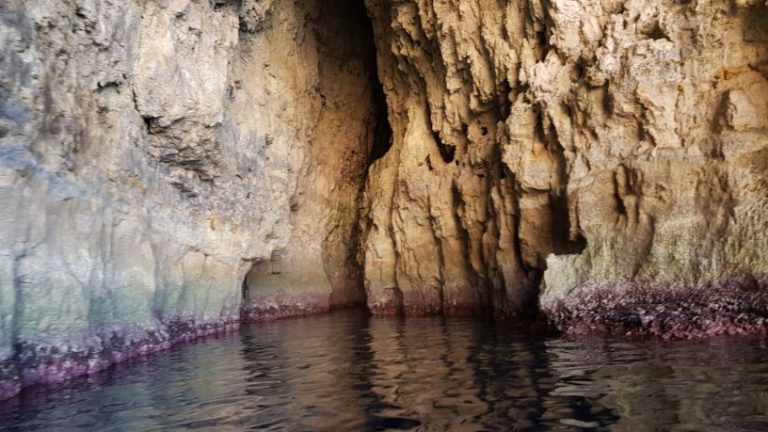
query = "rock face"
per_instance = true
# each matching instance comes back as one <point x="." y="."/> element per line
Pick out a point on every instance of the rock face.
<point x="152" y="153"/>
<point x="595" y="159"/>
<point x="169" y="168"/>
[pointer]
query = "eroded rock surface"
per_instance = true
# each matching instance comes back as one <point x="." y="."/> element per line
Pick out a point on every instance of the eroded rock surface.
<point x="547" y="154"/>
<point x="153" y="152"/>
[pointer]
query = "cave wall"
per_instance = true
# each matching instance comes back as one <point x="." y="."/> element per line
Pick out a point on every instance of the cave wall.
<point x="153" y="153"/>
<point x="572" y="156"/>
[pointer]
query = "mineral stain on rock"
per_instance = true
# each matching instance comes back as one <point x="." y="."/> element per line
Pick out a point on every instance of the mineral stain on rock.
<point x="169" y="169"/>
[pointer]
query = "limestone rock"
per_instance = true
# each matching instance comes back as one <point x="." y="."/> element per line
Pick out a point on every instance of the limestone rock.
<point x="151" y="152"/>
<point x="546" y="150"/>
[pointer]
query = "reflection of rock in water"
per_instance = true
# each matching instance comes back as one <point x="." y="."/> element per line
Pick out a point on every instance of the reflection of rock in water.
<point x="313" y="371"/>
<point x="346" y="371"/>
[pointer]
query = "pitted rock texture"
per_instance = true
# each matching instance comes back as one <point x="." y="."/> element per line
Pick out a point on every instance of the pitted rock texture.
<point x="546" y="150"/>
<point x="153" y="152"/>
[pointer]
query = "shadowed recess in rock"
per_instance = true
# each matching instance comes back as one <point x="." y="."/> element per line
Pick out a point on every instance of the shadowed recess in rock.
<point x="319" y="267"/>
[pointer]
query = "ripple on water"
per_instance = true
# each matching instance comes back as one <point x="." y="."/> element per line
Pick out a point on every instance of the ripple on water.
<point x="345" y="371"/>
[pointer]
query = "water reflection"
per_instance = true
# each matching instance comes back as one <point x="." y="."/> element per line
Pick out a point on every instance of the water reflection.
<point x="345" y="371"/>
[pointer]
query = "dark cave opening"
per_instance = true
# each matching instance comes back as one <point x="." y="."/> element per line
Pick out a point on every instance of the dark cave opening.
<point x="348" y="22"/>
<point x="347" y="63"/>
<point x="345" y="32"/>
<point x="381" y="128"/>
<point x="382" y="135"/>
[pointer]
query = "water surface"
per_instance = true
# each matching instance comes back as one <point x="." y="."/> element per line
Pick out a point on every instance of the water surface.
<point x="344" y="371"/>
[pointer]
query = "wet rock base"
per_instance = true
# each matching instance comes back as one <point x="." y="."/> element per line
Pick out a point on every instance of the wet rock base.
<point x="259" y="307"/>
<point x="45" y="365"/>
<point x="736" y="306"/>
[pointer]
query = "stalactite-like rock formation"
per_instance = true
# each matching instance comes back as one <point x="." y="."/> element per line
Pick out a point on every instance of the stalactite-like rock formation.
<point x="606" y="159"/>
